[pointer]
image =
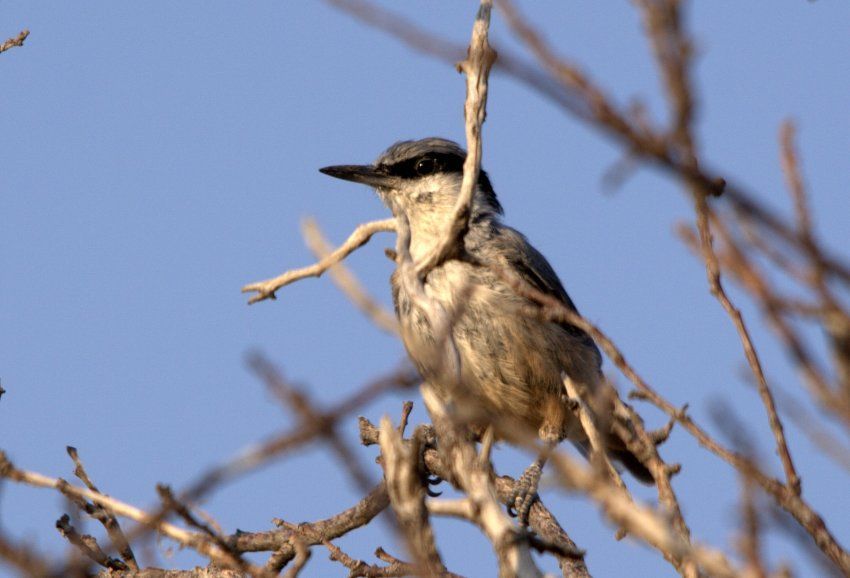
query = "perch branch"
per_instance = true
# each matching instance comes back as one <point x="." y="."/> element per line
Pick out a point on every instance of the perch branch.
<point x="540" y="519"/>
<point x="407" y="497"/>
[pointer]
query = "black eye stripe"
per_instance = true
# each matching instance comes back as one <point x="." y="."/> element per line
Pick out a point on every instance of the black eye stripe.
<point x="444" y="163"/>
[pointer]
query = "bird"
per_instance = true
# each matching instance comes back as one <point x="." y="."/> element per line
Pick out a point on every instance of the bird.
<point x="510" y="365"/>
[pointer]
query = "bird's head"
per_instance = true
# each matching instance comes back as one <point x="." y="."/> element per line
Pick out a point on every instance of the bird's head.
<point x="421" y="180"/>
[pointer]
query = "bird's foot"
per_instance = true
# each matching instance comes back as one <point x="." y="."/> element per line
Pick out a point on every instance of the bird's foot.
<point x="433" y="481"/>
<point x="525" y="492"/>
<point x="425" y="439"/>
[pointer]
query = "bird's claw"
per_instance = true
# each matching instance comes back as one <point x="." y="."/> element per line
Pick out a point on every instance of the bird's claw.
<point x="433" y="481"/>
<point x="525" y="493"/>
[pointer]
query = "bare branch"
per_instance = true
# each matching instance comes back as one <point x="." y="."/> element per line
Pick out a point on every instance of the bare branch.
<point x="258" y="455"/>
<point x="540" y="519"/>
<point x="302" y="555"/>
<point x="283" y="542"/>
<point x="572" y="91"/>
<point x="407" y="497"/>
<point x="553" y="310"/>
<point x="87" y="545"/>
<point x="836" y="322"/>
<point x="196" y="541"/>
<point x="599" y="453"/>
<point x="476" y="67"/>
<point x="311" y="418"/>
<point x="640" y="521"/>
<point x="713" y="268"/>
<point x="110" y="522"/>
<point x="513" y="552"/>
<point x="346" y="281"/>
<point x="395" y="567"/>
<point x="361" y="235"/>
<point x="750" y="541"/>
<point x="23" y="558"/>
<point x="174" y="505"/>
<point x="14" y="41"/>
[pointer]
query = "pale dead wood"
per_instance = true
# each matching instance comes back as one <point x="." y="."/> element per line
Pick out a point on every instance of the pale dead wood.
<point x="302" y="555"/>
<point x="641" y="521"/>
<point x="750" y="541"/>
<point x="359" y="237"/>
<point x="673" y="51"/>
<point x="835" y="319"/>
<point x="394" y="567"/>
<point x="87" y="545"/>
<point x="461" y="508"/>
<point x="197" y="541"/>
<point x="110" y="522"/>
<point x="284" y="541"/>
<point x="512" y="552"/>
<point x="407" y="498"/>
<point x="14" y="41"/>
<point x="476" y="67"/>
<point x="345" y="280"/>
<point x="541" y="520"/>
<point x="598" y="452"/>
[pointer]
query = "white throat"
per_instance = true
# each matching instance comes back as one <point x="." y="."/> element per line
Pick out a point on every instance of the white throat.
<point x="429" y="205"/>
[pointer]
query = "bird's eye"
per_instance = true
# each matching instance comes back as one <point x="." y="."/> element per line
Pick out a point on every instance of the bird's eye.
<point x="426" y="166"/>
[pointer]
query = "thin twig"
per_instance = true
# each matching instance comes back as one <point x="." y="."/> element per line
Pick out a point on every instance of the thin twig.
<point x="554" y="310"/>
<point x="359" y="237"/>
<point x="87" y="545"/>
<point x="196" y="541"/>
<point x="15" y="41"/>
<point x="540" y="519"/>
<point x="513" y="553"/>
<point x="597" y="444"/>
<point x="836" y="322"/>
<point x="110" y="522"/>
<point x="283" y="542"/>
<point x="346" y="281"/>
<point x="395" y="567"/>
<point x="174" y="505"/>
<point x="302" y="556"/>
<point x="476" y="67"/>
<point x="751" y="528"/>
<point x="640" y="521"/>
<point x="23" y="558"/>
<point x="405" y="485"/>
<point x="310" y="417"/>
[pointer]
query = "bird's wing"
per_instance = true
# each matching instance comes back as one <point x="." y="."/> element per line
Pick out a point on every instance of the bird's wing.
<point x="527" y="262"/>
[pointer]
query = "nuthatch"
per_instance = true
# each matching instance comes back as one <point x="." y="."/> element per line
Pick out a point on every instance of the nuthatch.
<point x="511" y="364"/>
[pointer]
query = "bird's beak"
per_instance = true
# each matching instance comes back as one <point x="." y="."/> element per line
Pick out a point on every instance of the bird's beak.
<point x="366" y="174"/>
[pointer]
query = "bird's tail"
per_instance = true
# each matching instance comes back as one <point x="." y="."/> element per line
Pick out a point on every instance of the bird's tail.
<point x="623" y="457"/>
<point x="634" y="465"/>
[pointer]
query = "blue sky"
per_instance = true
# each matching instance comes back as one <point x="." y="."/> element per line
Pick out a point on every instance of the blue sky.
<point x="160" y="155"/>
